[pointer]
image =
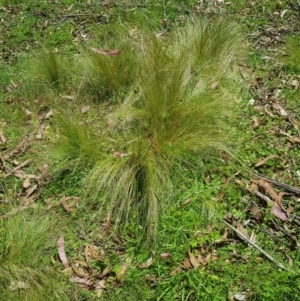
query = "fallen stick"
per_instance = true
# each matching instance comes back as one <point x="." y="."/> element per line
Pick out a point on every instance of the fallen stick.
<point x="242" y="236"/>
<point x="263" y="197"/>
<point x="279" y="184"/>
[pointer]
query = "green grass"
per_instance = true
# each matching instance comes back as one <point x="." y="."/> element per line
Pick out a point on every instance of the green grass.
<point x="292" y="58"/>
<point x="27" y="242"/>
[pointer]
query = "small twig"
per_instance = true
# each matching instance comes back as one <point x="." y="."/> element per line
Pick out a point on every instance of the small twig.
<point x="82" y="15"/>
<point x="242" y="236"/>
<point x="279" y="184"/>
<point x="26" y="162"/>
<point x="108" y="224"/>
<point x="263" y="197"/>
<point x="295" y="219"/>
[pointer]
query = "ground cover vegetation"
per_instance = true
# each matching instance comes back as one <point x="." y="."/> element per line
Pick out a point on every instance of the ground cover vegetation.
<point x="149" y="150"/>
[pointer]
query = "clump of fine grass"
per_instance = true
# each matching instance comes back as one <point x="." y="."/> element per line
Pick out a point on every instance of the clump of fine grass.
<point x="171" y="116"/>
<point x="46" y="74"/>
<point x="26" y="242"/>
<point x="77" y="146"/>
<point x="111" y="67"/>
<point x="48" y="69"/>
<point x="211" y="46"/>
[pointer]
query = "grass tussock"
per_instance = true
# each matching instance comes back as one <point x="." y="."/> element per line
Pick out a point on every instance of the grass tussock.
<point x="111" y="68"/>
<point x="76" y="146"/>
<point x="177" y="110"/>
<point x="211" y="46"/>
<point x="25" y="242"/>
<point x="48" y="69"/>
<point x="47" y="73"/>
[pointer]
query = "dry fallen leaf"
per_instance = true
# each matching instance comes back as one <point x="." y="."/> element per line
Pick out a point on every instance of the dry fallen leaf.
<point x="27" y="112"/>
<point x="294" y="139"/>
<point x="79" y="271"/>
<point x="294" y="122"/>
<point x="48" y="115"/>
<point x="31" y="190"/>
<point x="69" y="97"/>
<point x="207" y="259"/>
<point x="76" y="279"/>
<point x="187" y="201"/>
<point x="269" y="189"/>
<point x="277" y="211"/>
<point x="164" y="255"/>
<point x="108" y="223"/>
<point x="91" y="251"/>
<point x="252" y="237"/>
<point x="17" y="286"/>
<point x="240" y="183"/>
<point x="291" y="261"/>
<point x="44" y="172"/>
<point x="120" y="273"/>
<point x="177" y="270"/>
<point x="265" y="40"/>
<point x="26" y="183"/>
<point x="193" y="260"/>
<point x="106" y="271"/>
<point x="279" y="108"/>
<point x="230" y="293"/>
<point x="241" y="229"/>
<point x="70" y="7"/>
<point x="99" y="287"/>
<point x="64" y="200"/>
<point x="295" y="83"/>
<point x="264" y="160"/>
<point x="251" y="102"/>
<point x="80" y="262"/>
<point x="3" y="139"/>
<point x="2" y="163"/>
<point x="40" y="132"/>
<point x="187" y="263"/>
<point x="256" y="122"/>
<point x="240" y="296"/>
<point x="48" y="202"/>
<point x="86" y="254"/>
<point x="120" y="155"/>
<point x="113" y="52"/>
<point x="146" y="264"/>
<point x="257" y="214"/>
<point x="214" y="85"/>
<point x="24" y="163"/>
<point x="85" y="109"/>
<point x="8" y="89"/>
<point x="267" y="110"/>
<point x="61" y="252"/>
<point x="15" y="85"/>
